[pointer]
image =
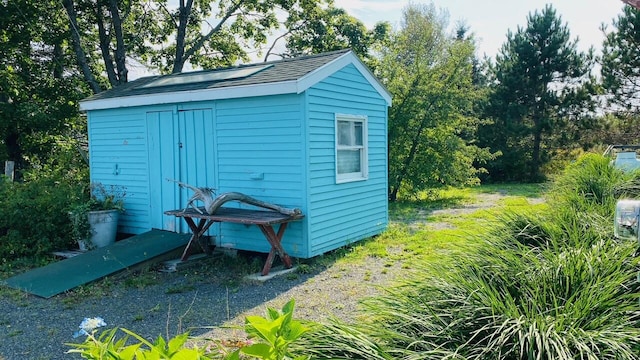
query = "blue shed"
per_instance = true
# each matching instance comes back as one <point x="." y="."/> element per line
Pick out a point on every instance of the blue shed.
<point x="308" y="133"/>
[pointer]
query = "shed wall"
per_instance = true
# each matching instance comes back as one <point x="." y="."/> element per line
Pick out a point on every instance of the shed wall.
<point x="118" y="157"/>
<point x="260" y="151"/>
<point x="340" y="214"/>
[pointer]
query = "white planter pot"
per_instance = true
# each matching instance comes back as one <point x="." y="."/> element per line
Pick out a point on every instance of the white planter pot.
<point x="104" y="227"/>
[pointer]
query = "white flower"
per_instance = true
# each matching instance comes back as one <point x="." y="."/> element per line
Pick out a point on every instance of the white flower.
<point x="88" y="325"/>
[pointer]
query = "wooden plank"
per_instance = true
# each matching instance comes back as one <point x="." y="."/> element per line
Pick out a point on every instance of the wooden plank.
<point x="239" y="216"/>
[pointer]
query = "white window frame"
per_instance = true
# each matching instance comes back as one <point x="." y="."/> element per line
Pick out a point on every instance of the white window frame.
<point x="363" y="174"/>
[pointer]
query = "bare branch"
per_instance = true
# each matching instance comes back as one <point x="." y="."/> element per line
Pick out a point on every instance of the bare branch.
<point x="198" y="44"/>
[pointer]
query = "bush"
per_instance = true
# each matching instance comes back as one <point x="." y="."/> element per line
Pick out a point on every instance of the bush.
<point x="587" y="185"/>
<point x="33" y="216"/>
<point x="503" y="302"/>
<point x="34" y="213"/>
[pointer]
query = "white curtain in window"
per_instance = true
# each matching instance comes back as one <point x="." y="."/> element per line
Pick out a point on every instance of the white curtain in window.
<point x="348" y="161"/>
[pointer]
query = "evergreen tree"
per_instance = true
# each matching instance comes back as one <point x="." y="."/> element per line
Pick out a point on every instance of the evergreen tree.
<point x="621" y="62"/>
<point x="541" y="94"/>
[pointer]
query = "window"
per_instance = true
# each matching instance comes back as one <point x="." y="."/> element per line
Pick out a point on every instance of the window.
<point x="351" y="148"/>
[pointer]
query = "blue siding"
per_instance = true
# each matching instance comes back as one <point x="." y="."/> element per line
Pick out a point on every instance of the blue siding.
<point x="118" y="156"/>
<point x="180" y="148"/>
<point x="260" y="152"/>
<point x="340" y="214"/>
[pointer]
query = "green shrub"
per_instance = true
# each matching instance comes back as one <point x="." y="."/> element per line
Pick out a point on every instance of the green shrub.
<point x="33" y="216"/>
<point x="587" y="185"/>
<point x="511" y="303"/>
<point x="34" y="211"/>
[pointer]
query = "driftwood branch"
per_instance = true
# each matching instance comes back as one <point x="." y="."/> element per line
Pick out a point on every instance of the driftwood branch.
<point x="211" y="204"/>
<point x="236" y="196"/>
<point x="206" y="195"/>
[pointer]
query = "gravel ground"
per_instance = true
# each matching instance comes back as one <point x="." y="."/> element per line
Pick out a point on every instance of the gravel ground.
<point x="36" y="328"/>
<point x="191" y="299"/>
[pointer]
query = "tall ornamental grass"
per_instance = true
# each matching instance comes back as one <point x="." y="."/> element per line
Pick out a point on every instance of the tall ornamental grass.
<point x="548" y="285"/>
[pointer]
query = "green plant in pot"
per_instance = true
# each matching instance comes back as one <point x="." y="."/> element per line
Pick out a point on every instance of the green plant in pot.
<point x="94" y="220"/>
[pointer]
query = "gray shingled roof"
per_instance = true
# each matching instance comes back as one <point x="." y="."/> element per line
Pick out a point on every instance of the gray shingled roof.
<point x="279" y="71"/>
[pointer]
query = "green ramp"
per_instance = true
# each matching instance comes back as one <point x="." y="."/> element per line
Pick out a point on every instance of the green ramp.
<point x="64" y="275"/>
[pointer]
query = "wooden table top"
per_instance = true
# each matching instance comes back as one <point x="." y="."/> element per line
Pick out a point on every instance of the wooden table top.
<point x="240" y="216"/>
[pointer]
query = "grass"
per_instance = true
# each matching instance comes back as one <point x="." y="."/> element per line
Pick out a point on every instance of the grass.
<point x="428" y="244"/>
<point x="518" y="283"/>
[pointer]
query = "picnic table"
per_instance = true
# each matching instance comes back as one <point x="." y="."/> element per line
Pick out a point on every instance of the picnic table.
<point x="265" y="220"/>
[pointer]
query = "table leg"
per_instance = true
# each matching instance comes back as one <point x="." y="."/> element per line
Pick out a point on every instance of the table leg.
<point x="276" y="247"/>
<point x="198" y="231"/>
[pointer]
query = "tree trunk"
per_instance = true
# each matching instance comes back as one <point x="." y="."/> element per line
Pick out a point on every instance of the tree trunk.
<point x="181" y="44"/>
<point x="535" y="155"/>
<point x="183" y="20"/>
<point x="393" y="194"/>
<point x="105" y="47"/>
<point x="14" y="150"/>
<point x="121" y="55"/>
<point x="81" y="57"/>
<point x="58" y="69"/>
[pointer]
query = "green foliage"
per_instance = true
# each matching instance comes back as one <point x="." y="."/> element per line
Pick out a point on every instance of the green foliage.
<point x="95" y="197"/>
<point x="621" y="60"/>
<point x="39" y="89"/>
<point x="108" y="346"/>
<point x="587" y="185"/>
<point x="317" y="27"/>
<point x="510" y="303"/>
<point x="336" y="340"/>
<point x="276" y="332"/>
<point x="33" y="212"/>
<point x="33" y="216"/>
<point x="536" y="285"/>
<point x="431" y="125"/>
<point x="540" y="100"/>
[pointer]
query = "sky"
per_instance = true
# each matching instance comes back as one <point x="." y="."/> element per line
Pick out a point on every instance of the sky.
<point x="490" y="20"/>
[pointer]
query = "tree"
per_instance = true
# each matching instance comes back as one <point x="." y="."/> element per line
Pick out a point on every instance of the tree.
<point x="429" y="72"/>
<point x="245" y="24"/>
<point x="39" y="87"/>
<point x="106" y="34"/>
<point x="316" y="28"/>
<point x="621" y="61"/>
<point x="541" y="93"/>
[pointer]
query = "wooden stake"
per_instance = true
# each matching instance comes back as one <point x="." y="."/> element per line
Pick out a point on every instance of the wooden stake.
<point x="9" y="169"/>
